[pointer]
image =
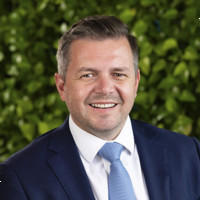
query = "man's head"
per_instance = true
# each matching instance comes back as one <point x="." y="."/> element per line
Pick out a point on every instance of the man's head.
<point x="94" y="28"/>
<point x="101" y="81"/>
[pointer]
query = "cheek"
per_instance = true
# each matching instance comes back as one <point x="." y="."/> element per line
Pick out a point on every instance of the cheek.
<point x="76" y="95"/>
<point x="128" y="92"/>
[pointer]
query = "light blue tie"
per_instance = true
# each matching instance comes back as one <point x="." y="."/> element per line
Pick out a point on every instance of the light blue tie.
<point x="119" y="182"/>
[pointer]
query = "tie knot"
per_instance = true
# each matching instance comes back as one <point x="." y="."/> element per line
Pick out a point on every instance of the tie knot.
<point x="111" y="151"/>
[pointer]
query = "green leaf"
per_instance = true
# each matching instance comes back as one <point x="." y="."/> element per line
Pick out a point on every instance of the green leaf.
<point x="39" y="69"/>
<point x="170" y="14"/>
<point x="43" y="127"/>
<point x="42" y="5"/>
<point x="190" y="54"/>
<point x="146" y="49"/>
<point x="159" y="65"/>
<point x="28" y="130"/>
<point x="127" y="15"/>
<point x="170" y="43"/>
<point x="167" y="83"/>
<point x="1" y="56"/>
<point x="24" y="106"/>
<point x="145" y="65"/>
<point x="180" y="68"/>
<point x="51" y="99"/>
<point x="187" y="96"/>
<point x="159" y="50"/>
<point x="194" y="69"/>
<point x="183" y="124"/>
<point x="171" y="104"/>
<point x="140" y="28"/>
<point x="34" y="86"/>
<point x="146" y="3"/>
<point x="142" y="98"/>
<point x="152" y="97"/>
<point x="6" y="95"/>
<point x="13" y="70"/>
<point x="10" y="82"/>
<point x="190" y="2"/>
<point x="191" y="13"/>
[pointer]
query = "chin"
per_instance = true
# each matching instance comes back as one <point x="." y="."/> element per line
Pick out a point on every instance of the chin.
<point x="102" y="128"/>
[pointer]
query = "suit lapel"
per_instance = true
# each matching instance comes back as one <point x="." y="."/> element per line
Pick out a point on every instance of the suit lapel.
<point x="67" y="165"/>
<point x="154" y="161"/>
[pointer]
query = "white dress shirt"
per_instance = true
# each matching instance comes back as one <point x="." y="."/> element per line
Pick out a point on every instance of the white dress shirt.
<point x="98" y="168"/>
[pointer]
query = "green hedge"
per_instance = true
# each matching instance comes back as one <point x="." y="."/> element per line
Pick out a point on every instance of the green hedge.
<point x="168" y="34"/>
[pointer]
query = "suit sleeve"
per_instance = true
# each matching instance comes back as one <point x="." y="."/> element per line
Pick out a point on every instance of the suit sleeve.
<point x="10" y="186"/>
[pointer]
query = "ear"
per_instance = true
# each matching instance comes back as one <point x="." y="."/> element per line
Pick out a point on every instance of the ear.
<point x="60" y="86"/>
<point x="137" y="80"/>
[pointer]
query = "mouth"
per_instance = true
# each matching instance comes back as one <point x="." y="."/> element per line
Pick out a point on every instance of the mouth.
<point x="103" y="106"/>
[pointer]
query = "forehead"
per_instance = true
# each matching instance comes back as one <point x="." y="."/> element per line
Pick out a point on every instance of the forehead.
<point x="104" y="42"/>
<point x="84" y="48"/>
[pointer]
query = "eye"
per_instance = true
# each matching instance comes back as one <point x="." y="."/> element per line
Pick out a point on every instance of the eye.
<point x="119" y="75"/>
<point x="89" y="75"/>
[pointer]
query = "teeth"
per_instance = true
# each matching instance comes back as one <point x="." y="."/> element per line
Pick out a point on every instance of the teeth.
<point x="110" y="105"/>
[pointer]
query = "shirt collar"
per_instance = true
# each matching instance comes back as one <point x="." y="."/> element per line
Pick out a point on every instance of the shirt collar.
<point x="89" y="145"/>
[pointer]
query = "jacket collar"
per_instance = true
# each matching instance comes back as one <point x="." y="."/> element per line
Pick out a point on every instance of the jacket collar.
<point x="154" y="160"/>
<point x="67" y="165"/>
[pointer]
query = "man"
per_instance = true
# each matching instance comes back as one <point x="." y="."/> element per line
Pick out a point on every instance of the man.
<point x="98" y="79"/>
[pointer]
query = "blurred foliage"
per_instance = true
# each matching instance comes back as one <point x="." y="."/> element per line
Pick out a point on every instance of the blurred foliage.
<point x="168" y="34"/>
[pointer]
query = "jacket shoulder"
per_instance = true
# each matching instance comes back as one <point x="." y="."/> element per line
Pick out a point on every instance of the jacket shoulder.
<point x="164" y="136"/>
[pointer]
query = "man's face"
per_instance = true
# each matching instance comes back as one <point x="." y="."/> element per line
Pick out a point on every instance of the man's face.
<point x="100" y="85"/>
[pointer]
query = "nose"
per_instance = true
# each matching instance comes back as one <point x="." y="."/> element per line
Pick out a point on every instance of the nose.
<point x="104" y="85"/>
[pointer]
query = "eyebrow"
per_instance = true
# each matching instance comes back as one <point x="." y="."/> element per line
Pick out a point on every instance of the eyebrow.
<point x="122" y="68"/>
<point x="90" y="69"/>
<point x="87" y="69"/>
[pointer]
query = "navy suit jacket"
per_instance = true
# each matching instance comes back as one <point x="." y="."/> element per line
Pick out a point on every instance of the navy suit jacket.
<point x="50" y="167"/>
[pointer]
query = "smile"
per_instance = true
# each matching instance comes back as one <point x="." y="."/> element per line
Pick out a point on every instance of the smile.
<point x="103" y="106"/>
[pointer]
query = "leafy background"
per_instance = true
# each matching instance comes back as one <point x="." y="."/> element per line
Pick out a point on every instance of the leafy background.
<point x="168" y="34"/>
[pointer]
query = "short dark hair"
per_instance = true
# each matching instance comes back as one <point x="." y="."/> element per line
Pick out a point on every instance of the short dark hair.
<point x="94" y="28"/>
